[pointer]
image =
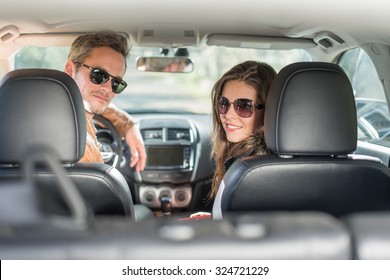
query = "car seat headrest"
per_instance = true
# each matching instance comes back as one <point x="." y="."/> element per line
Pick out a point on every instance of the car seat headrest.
<point x="41" y="108"/>
<point x="311" y="111"/>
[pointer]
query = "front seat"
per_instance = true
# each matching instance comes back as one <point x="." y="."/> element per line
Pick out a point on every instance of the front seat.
<point x="44" y="108"/>
<point x="311" y="129"/>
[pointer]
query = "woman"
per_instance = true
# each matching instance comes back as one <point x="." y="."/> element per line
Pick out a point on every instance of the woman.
<point x="239" y="99"/>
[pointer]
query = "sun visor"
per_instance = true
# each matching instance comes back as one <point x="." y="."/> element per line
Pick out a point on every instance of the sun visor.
<point x="259" y="42"/>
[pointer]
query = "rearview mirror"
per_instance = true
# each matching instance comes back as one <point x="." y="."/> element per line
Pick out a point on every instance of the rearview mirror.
<point x="165" y="64"/>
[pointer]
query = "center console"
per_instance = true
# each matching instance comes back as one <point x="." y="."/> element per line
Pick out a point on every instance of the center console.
<point x="171" y="147"/>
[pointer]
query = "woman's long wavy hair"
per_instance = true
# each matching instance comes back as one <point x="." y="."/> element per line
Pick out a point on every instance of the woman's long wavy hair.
<point x="259" y="76"/>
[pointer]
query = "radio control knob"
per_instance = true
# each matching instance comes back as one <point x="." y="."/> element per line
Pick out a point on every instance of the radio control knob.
<point x="180" y="196"/>
<point x="150" y="197"/>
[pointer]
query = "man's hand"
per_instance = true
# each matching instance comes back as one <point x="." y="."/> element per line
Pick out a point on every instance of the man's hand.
<point x="137" y="148"/>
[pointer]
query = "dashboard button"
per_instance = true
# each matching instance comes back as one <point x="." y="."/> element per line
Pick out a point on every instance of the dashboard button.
<point x="165" y="176"/>
<point x="150" y="175"/>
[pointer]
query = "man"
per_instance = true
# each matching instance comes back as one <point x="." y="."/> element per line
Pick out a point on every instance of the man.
<point x="97" y="62"/>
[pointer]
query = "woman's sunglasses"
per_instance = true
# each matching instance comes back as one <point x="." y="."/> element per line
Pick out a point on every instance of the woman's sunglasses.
<point x="242" y="106"/>
<point x="99" y="76"/>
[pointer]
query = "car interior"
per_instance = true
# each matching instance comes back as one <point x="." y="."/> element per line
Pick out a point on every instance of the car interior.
<point x="323" y="193"/>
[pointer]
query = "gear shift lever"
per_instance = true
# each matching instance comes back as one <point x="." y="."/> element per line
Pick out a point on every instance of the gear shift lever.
<point x="166" y="205"/>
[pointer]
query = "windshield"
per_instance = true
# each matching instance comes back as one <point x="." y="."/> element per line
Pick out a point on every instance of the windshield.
<point x="168" y="92"/>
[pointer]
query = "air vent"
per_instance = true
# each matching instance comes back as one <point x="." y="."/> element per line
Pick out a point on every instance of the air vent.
<point x="152" y="134"/>
<point x="179" y="134"/>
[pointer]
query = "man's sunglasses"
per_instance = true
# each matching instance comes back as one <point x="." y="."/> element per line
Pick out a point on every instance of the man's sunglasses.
<point x="99" y="76"/>
<point x="242" y="106"/>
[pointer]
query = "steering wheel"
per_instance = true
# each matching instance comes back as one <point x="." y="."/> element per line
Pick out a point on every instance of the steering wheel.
<point x="108" y="136"/>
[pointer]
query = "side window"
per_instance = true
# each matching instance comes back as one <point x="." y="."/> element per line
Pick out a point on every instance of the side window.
<point x="41" y="57"/>
<point x="372" y="109"/>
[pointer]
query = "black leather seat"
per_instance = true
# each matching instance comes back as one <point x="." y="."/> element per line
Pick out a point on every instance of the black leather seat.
<point x="44" y="108"/>
<point x="310" y="126"/>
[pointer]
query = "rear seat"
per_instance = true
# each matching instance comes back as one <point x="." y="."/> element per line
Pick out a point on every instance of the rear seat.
<point x="26" y="233"/>
<point x="370" y="234"/>
<point x="274" y="236"/>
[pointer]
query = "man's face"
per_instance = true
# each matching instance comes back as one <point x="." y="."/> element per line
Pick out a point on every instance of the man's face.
<point x="99" y="96"/>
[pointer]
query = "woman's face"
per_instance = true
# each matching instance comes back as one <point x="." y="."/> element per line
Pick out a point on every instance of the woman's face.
<point x="238" y="128"/>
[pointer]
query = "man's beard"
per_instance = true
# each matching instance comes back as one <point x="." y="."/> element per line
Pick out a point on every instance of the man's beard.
<point x="96" y="107"/>
<point x="98" y="110"/>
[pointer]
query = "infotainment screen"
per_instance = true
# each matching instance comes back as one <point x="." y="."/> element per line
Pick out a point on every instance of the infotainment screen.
<point x="163" y="156"/>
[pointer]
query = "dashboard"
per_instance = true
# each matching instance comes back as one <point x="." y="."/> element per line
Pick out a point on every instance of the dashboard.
<point x="178" y="168"/>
